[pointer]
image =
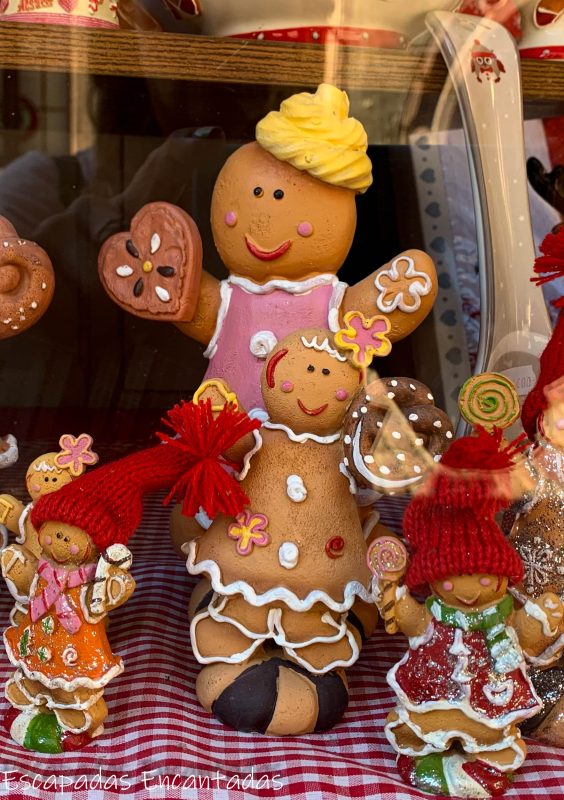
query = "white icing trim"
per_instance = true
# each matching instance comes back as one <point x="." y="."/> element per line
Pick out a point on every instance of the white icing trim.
<point x="18" y="606"/>
<point x="262" y="343"/>
<point x="291" y="287"/>
<point x="335" y="303"/>
<point x="375" y="480"/>
<point x="296" y="489"/>
<point x="47" y="699"/>
<point x="549" y="655"/>
<point x="352" y="589"/>
<point x="43" y="466"/>
<point x="61" y="683"/>
<point x="225" y="293"/>
<point x="249" y="455"/>
<point x="499" y="694"/>
<point x="463" y="705"/>
<point x="275" y="631"/>
<point x="415" y="642"/>
<point x="17" y="555"/>
<point x="203" y="520"/>
<point x="324" y="347"/>
<point x="440" y="741"/>
<point x="301" y="437"/>
<point x="21" y="537"/>
<point x="415" y="289"/>
<point x="352" y="483"/>
<point x="458" y="781"/>
<point x="9" y="457"/>
<point x="535" y="611"/>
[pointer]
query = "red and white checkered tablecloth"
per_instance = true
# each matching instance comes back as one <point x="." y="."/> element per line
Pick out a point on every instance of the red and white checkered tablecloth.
<point x="159" y="743"/>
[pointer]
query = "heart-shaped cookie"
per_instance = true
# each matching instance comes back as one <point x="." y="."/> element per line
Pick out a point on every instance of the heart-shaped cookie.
<point x="154" y="270"/>
<point x="27" y="281"/>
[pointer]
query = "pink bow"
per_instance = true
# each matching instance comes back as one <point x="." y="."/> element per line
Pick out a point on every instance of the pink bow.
<point x="54" y="593"/>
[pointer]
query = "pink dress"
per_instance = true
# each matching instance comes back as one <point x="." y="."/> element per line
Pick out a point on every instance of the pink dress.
<point x="253" y="318"/>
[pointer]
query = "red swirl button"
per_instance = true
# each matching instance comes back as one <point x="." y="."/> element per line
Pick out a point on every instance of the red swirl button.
<point x="335" y="546"/>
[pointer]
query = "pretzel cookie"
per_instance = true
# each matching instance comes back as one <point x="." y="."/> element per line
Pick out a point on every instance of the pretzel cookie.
<point x="393" y="433"/>
<point x="154" y="270"/>
<point x="27" y="282"/>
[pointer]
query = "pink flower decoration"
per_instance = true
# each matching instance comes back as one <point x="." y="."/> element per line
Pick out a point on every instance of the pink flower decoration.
<point x="249" y="530"/>
<point x="76" y="453"/>
<point x="365" y="338"/>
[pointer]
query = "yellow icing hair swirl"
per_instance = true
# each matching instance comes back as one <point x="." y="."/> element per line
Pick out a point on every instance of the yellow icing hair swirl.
<point x="489" y="399"/>
<point x="314" y="133"/>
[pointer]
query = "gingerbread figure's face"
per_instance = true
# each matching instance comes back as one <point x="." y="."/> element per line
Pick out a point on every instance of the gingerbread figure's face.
<point x="44" y="477"/>
<point x="471" y="592"/>
<point x="66" y="544"/>
<point x="271" y="220"/>
<point x="307" y="384"/>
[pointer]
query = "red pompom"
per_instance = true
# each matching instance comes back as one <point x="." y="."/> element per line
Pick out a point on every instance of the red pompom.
<point x="483" y="451"/>
<point x="208" y="480"/>
<point x="550" y="265"/>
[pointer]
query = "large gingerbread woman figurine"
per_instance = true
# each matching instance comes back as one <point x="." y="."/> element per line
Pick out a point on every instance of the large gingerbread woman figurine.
<point x="462" y="688"/>
<point x="287" y="601"/>
<point x="283" y="218"/>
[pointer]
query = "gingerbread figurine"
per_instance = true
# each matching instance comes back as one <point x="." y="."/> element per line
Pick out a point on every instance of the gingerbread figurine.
<point x="537" y="531"/>
<point x="46" y="474"/>
<point x="283" y="218"/>
<point x="462" y="687"/>
<point x="58" y="644"/>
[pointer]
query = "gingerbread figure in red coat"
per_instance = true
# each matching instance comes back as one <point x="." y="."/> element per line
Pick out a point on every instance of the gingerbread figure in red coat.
<point x="462" y="687"/>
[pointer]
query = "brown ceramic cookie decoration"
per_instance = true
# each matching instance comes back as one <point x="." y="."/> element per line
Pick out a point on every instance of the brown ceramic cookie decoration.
<point x="27" y="282"/>
<point x="154" y="269"/>
<point x="393" y="432"/>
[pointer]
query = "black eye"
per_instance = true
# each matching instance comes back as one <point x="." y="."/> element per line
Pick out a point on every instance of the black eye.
<point x="67" y="539"/>
<point x="326" y="371"/>
<point x="311" y="368"/>
<point x="278" y="194"/>
<point x="59" y="535"/>
<point x="258" y="191"/>
<point x="54" y="480"/>
<point x="46" y="480"/>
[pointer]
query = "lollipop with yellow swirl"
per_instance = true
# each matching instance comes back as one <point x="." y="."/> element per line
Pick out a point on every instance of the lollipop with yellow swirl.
<point x="490" y="400"/>
<point x="314" y="133"/>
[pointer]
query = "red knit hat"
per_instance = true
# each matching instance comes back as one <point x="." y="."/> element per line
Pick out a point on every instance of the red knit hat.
<point x="548" y="267"/>
<point x="107" y="503"/>
<point x="450" y="526"/>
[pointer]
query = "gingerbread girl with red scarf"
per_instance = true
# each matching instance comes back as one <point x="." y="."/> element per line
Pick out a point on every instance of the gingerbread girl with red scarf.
<point x="462" y="687"/>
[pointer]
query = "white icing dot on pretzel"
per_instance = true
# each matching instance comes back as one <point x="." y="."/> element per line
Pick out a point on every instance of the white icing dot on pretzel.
<point x="347" y="439"/>
<point x="33" y="305"/>
<point x="346" y="462"/>
<point x="363" y="410"/>
<point x="396" y="434"/>
<point x="368" y="398"/>
<point x="437" y="423"/>
<point x="369" y="459"/>
<point x="391" y="395"/>
<point x="385" y="470"/>
<point x="400" y="456"/>
<point x="379" y="424"/>
<point x="413" y="417"/>
<point x="430" y="397"/>
<point x="417" y="469"/>
<point x="43" y="285"/>
<point x="449" y="434"/>
<point x="355" y="415"/>
<point x="412" y="387"/>
<point x="419" y="442"/>
<point x="393" y="383"/>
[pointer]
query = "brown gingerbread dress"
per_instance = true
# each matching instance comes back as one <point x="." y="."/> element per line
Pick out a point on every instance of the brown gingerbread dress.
<point x="291" y="566"/>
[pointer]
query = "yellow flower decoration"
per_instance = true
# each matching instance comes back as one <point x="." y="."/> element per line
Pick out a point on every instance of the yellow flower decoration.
<point x="249" y="530"/>
<point x="365" y="338"/>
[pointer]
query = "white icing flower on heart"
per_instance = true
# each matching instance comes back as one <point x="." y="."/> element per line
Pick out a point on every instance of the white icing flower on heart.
<point x="295" y="489"/>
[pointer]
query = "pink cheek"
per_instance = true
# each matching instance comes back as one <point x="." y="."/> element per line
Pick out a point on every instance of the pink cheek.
<point x="231" y="219"/>
<point x="35" y="487"/>
<point x="305" y="229"/>
<point x="74" y="548"/>
<point x="47" y="540"/>
<point x="485" y="582"/>
<point x="341" y="394"/>
<point x="287" y="386"/>
<point x="448" y="586"/>
<point x="560" y="424"/>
